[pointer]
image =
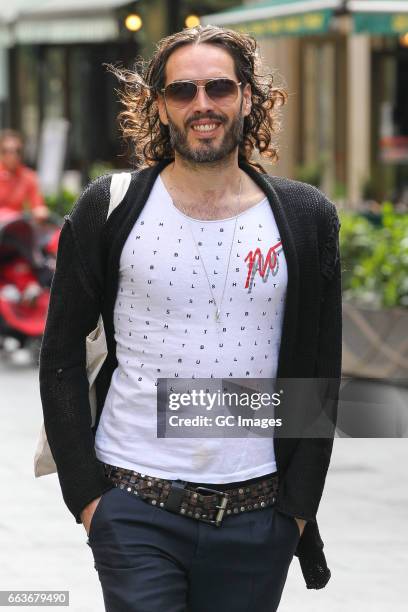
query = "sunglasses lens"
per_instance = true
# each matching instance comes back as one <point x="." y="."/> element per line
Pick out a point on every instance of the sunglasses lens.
<point x="181" y="93"/>
<point x="222" y="90"/>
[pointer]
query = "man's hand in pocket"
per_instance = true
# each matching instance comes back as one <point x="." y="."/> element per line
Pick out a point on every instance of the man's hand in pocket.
<point x="87" y="513"/>
<point x="301" y="524"/>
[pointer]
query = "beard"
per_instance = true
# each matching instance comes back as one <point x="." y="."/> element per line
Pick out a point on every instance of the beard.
<point x="206" y="151"/>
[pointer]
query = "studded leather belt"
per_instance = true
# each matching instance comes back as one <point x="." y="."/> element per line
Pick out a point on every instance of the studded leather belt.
<point x="202" y="503"/>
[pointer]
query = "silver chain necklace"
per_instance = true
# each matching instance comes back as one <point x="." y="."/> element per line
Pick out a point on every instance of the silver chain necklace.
<point x="218" y="308"/>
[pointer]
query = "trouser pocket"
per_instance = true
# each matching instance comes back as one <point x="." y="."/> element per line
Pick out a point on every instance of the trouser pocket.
<point x="290" y="523"/>
<point x="99" y="513"/>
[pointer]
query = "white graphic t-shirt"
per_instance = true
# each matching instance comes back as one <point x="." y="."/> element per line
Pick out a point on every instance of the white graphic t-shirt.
<point x="165" y="327"/>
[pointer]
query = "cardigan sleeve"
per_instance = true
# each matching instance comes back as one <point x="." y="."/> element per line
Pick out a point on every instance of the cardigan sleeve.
<point x="308" y="468"/>
<point x="73" y="313"/>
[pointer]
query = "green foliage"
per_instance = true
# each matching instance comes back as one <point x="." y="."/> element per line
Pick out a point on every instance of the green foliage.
<point x="369" y="188"/>
<point x="375" y="258"/>
<point x="340" y="190"/>
<point x="61" y="203"/>
<point x="99" y="168"/>
<point x="310" y="173"/>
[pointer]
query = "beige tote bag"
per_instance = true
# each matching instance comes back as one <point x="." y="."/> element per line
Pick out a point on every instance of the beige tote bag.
<point x="96" y="349"/>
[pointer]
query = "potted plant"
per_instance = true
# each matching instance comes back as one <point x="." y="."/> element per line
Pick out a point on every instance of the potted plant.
<point x="375" y="291"/>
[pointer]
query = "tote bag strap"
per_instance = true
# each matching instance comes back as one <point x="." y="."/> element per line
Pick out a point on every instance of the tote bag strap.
<point x="119" y="185"/>
<point x="96" y="349"/>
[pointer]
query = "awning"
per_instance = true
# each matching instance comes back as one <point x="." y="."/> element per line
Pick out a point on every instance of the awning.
<point x="99" y="28"/>
<point x="66" y="21"/>
<point x="379" y="16"/>
<point x="8" y="12"/>
<point x="278" y="17"/>
<point x="69" y="7"/>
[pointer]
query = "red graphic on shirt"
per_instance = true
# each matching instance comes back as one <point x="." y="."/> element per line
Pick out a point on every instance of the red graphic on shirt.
<point x="262" y="266"/>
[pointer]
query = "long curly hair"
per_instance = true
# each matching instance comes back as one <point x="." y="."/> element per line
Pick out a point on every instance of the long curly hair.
<point x="139" y="121"/>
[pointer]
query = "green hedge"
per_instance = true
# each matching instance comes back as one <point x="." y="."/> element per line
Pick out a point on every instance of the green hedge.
<point x="62" y="203"/>
<point x="375" y="258"/>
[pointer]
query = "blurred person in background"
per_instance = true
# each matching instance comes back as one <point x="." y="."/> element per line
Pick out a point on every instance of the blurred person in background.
<point x="184" y="524"/>
<point x="19" y="187"/>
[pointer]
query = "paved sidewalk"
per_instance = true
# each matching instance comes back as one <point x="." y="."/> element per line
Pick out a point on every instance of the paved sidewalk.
<point x="362" y="520"/>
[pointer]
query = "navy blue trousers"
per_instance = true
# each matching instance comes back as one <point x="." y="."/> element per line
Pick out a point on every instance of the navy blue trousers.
<point x="151" y="560"/>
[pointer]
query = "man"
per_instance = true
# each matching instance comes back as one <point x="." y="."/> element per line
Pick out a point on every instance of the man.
<point x="18" y="184"/>
<point x="159" y="270"/>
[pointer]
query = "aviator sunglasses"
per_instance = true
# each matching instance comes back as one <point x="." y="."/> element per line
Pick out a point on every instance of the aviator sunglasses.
<point x="221" y="90"/>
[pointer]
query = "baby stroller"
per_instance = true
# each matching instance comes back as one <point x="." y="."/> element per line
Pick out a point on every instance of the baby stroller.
<point x="27" y="262"/>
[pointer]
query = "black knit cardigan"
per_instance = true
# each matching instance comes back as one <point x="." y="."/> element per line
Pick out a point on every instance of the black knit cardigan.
<point x="85" y="284"/>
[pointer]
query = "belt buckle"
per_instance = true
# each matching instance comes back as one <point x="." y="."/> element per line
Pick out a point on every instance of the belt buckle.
<point x="221" y="509"/>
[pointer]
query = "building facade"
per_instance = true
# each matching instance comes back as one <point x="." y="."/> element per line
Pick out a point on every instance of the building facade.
<point x="344" y="63"/>
<point x="53" y="57"/>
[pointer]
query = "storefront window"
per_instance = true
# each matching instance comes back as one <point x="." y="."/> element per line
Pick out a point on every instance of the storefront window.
<point x="322" y="112"/>
<point x="28" y="96"/>
<point x="390" y="120"/>
<point x="54" y="83"/>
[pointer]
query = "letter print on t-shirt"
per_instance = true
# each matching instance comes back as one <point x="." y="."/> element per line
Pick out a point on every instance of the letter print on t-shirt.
<point x="164" y="315"/>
